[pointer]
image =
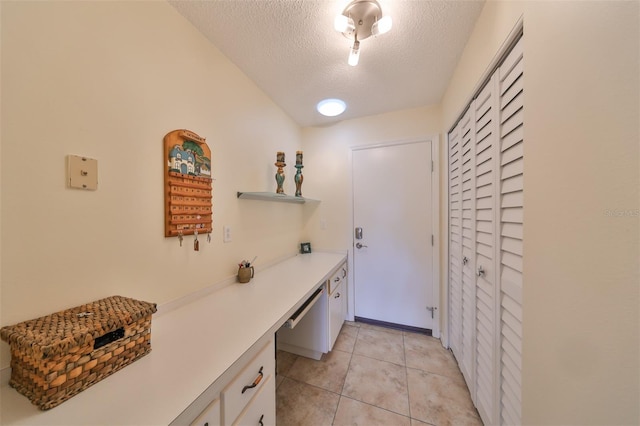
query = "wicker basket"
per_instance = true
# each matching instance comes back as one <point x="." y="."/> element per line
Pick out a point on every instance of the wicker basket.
<point x="57" y="356"/>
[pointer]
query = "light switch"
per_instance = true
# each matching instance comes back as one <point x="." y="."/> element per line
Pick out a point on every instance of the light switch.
<point x="82" y="172"/>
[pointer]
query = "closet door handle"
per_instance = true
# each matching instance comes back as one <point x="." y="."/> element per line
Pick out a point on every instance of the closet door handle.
<point x="465" y="260"/>
<point x="337" y="295"/>
<point x="255" y="382"/>
<point x="480" y="272"/>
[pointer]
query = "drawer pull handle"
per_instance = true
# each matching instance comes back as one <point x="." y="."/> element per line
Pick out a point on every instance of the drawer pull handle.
<point x="255" y="382"/>
<point x="260" y="421"/>
<point x="337" y="295"/>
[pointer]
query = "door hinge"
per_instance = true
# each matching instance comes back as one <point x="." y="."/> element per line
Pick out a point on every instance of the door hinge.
<point x="431" y="166"/>
<point x="432" y="240"/>
<point x="431" y="309"/>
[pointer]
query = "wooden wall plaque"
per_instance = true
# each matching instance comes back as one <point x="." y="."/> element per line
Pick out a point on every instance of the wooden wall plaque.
<point x="188" y="203"/>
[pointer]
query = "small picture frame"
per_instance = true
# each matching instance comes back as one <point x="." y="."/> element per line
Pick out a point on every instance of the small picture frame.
<point x="305" y="248"/>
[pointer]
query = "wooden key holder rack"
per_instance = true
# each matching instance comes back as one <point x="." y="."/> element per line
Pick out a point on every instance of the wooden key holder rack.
<point x="188" y="185"/>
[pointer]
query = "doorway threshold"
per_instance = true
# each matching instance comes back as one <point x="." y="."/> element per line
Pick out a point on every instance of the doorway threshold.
<point x="394" y="326"/>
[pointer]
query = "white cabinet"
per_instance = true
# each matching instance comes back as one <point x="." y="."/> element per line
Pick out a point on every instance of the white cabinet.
<point x="261" y="410"/>
<point x="245" y="394"/>
<point x="247" y="386"/>
<point x="337" y="303"/>
<point x="210" y="416"/>
<point x="317" y="331"/>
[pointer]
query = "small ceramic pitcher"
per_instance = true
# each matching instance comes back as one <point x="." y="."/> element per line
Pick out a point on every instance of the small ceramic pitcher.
<point x="245" y="274"/>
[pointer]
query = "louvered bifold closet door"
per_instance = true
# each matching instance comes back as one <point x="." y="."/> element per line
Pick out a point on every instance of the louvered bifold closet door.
<point x="455" y="241"/>
<point x="485" y="261"/>
<point x="468" y="249"/>
<point x="486" y="174"/>
<point x="511" y="226"/>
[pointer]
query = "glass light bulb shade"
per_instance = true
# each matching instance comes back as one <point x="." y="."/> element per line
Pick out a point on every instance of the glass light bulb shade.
<point x="382" y="25"/>
<point x="354" y="54"/>
<point x="341" y="23"/>
<point x="331" y="107"/>
<point x="354" y="57"/>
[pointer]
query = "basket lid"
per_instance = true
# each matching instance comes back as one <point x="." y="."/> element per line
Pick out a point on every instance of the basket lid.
<point x="55" y="333"/>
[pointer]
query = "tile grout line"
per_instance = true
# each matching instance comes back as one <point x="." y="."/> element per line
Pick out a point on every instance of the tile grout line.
<point x="344" y="383"/>
<point x="406" y="375"/>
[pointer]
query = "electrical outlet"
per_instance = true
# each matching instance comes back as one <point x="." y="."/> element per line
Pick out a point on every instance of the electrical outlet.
<point x="226" y="234"/>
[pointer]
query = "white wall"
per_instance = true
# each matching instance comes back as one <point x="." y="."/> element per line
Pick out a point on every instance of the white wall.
<point x="108" y="80"/>
<point x="581" y="359"/>
<point x="327" y="170"/>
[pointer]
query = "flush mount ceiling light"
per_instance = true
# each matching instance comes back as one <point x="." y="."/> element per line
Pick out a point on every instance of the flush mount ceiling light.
<point x="331" y="107"/>
<point x="360" y="20"/>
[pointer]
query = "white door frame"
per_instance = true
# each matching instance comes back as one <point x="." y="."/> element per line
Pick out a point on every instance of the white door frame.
<point x="435" y="223"/>
<point x="446" y="335"/>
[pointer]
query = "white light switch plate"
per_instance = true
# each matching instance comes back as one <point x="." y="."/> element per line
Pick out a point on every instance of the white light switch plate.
<point x="82" y="172"/>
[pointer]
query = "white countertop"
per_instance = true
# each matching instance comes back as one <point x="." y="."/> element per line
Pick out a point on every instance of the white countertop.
<point x="192" y="346"/>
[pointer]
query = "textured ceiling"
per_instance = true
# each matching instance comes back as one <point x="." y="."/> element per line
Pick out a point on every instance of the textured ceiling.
<point x="291" y="51"/>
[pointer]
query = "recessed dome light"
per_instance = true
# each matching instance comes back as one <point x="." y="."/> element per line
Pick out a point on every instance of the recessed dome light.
<point x="331" y="107"/>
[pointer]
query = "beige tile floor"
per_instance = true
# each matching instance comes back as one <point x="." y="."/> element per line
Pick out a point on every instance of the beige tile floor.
<point x="374" y="376"/>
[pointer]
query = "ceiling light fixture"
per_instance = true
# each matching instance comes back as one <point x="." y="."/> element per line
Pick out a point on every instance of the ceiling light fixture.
<point x="331" y="107"/>
<point x="360" y="20"/>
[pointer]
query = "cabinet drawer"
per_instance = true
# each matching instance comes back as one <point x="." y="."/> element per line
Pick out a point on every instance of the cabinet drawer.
<point x="337" y="278"/>
<point x="210" y="416"/>
<point x="261" y="410"/>
<point x="337" y="302"/>
<point x="241" y="389"/>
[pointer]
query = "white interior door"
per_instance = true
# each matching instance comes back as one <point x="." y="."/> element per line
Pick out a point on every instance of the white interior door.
<point x="455" y="241"/>
<point x="485" y="253"/>
<point x="510" y="235"/>
<point x="468" y="229"/>
<point x="393" y="261"/>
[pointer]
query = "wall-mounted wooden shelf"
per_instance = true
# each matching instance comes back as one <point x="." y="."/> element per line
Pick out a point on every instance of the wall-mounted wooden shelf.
<point x="272" y="196"/>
